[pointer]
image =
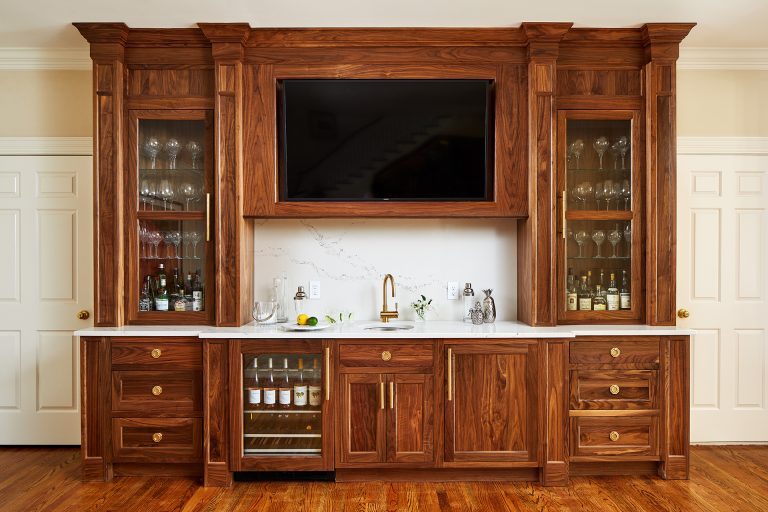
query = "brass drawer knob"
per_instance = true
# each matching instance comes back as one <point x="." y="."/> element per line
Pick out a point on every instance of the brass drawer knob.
<point x="614" y="389"/>
<point x="386" y="355"/>
<point x="614" y="436"/>
<point x="157" y="437"/>
<point x="157" y="390"/>
<point x="156" y="353"/>
<point x="615" y="352"/>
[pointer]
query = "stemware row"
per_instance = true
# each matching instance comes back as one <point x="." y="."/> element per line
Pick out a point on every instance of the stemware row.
<point x="151" y="240"/>
<point x="619" y="148"/>
<point x="166" y="189"/>
<point x="605" y="191"/>
<point x="152" y="147"/>
<point x="598" y="236"/>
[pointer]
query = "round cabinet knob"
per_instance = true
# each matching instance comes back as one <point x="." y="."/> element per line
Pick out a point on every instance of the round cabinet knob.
<point x="157" y="390"/>
<point x="614" y="436"/>
<point x="156" y="353"/>
<point x="83" y="315"/>
<point x="683" y="313"/>
<point x="615" y="352"/>
<point x="614" y="389"/>
<point x="157" y="437"/>
<point x="386" y="355"/>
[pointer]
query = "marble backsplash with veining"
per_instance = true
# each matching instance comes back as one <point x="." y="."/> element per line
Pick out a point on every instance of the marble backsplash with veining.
<point x="350" y="258"/>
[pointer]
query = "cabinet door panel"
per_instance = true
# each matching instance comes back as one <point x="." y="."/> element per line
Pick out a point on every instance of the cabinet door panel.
<point x="491" y="413"/>
<point x="362" y="417"/>
<point x="410" y="418"/>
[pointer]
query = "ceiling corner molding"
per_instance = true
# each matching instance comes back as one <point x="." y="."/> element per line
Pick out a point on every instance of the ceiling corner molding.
<point x="46" y="146"/>
<point x="722" y="146"/>
<point x="754" y="59"/>
<point x="45" y="58"/>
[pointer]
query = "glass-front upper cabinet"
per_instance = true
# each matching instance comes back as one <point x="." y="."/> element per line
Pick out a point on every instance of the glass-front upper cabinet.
<point x="600" y="244"/>
<point x="170" y="270"/>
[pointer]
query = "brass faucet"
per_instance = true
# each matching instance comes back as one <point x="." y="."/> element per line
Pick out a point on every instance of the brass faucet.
<point x="385" y="313"/>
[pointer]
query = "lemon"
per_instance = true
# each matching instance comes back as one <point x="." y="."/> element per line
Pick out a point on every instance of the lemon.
<point x="312" y="321"/>
<point x="302" y="319"/>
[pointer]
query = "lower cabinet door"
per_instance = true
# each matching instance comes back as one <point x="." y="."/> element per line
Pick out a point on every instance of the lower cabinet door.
<point x="491" y="402"/>
<point x="410" y="418"/>
<point x="157" y="439"/>
<point x="363" y="436"/>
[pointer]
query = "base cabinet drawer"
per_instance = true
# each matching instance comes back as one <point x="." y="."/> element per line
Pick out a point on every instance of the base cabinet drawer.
<point x="618" y="351"/>
<point x="157" y="353"/>
<point x="389" y="356"/>
<point x="157" y="439"/>
<point x="614" y="389"/>
<point x="613" y="436"/>
<point x="160" y="392"/>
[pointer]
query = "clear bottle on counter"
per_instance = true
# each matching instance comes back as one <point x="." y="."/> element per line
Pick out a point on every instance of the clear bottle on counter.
<point x="469" y="302"/>
<point x="278" y="285"/>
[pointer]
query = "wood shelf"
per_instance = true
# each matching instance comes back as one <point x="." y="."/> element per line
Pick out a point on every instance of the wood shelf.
<point x="169" y="215"/>
<point x="621" y="215"/>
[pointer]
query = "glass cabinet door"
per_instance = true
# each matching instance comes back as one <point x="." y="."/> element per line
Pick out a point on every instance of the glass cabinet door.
<point x="599" y="255"/>
<point x="173" y="264"/>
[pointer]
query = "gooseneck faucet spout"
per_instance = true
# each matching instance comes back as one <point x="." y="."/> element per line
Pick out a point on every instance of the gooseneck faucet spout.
<point x="386" y="314"/>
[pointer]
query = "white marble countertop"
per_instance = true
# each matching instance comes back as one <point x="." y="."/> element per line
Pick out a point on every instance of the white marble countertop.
<point x="423" y="330"/>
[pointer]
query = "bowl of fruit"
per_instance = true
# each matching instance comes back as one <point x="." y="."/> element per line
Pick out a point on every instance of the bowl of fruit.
<point x="305" y="323"/>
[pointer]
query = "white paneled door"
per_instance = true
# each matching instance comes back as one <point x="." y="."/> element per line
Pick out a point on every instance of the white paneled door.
<point x="722" y="253"/>
<point x="46" y="273"/>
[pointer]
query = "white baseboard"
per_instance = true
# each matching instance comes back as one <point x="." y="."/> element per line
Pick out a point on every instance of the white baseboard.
<point x="46" y="146"/>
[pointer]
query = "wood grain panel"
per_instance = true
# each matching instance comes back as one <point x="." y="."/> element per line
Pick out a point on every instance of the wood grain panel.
<point x="554" y="421"/>
<point x="638" y="436"/>
<point x="401" y="355"/>
<point x="676" y="413"/>
<point x="181" y="439"/>
<point x="132" y="392"/>
<point x="95" y="408"/>
<point x="598" y="82"/>
<point x="362" y="433"/>
<point x="434" y="55"/>
<point x="217" y="410"/>
<point x="182" y="81"/>
<point x="173" y="354"/>
<point x="410" y="420"/>
<point x="590" y="389"/>
<point x="636" y="351"/>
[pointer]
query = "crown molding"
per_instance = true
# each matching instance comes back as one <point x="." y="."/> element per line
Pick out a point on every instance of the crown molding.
<point x="722" y="145"/>
<point x="46" y="146"/>
<point x="754" y="59"/>
<point x="45" y="58"/>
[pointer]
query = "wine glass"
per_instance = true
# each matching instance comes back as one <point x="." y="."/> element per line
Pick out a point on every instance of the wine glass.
<point x="575" y="149"/>
<point x="146" y="192"/>
<point x="172" y="147"/>
<point x="601" y="145"/>
<point x="623" y="146"/>
<point x="626" y="193"/>
<point x="576" y="194"/>
<point x="166" y="192"/>
<point x="614" y="237"/>
<point x="608" y="193"/>
<point x="155" y="238"/>
<point x="628" y="238"/>
<point x="152" y="147"/>
<point x="598" y="236"/>
<point x="588" y="192"/>
<point x="189" y="191"/>
<point x="194" y="238"/>
<point x="195" y="150"/>
<point x="581" y="237"/>
<point x="143" y="238"/>
<point x="172" y="238"/>
<point x="599" y="193"/>
<point x="615" y="151"/>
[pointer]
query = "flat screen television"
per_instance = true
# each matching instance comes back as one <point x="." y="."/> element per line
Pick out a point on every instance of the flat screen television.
<point x="385" y="140"/>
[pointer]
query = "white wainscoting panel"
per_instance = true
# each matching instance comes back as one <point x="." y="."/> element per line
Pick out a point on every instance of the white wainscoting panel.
<point x="57" y="231"/>
<point x="10" y="370"/>
<point x="706" y="250"/>
<point x="9" y="255"/>
<point x="56" y="370"/>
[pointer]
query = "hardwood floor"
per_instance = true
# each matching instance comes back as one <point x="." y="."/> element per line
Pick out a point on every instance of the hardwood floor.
<point x="48" y="479"/>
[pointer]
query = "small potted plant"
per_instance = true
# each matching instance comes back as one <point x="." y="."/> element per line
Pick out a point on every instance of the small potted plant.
<point x="421" y="306"/>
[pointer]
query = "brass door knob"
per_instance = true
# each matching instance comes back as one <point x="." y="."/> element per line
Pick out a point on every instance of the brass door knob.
<point x="615" y="352"/>
<point x="83" y="315"/>
<point x="683" y="313"/>
<point x="386" y="355"/>
<point x="614" y="436"/>
<point x="157" y="437"/>
<point x="156" y="352"/>
<point x="157" y="390"/>
<point x="614" y="389"/>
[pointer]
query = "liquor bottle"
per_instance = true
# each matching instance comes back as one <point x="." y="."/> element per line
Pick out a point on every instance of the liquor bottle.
<point x="300" y="387"/>
<point x="585" y="296"/>
<point x="146" y="300"/>
<point x="613" y="294"/>
<point x="571" y="294"/>
<point x="161" y="295"/>
<point x="188" y="284"/>
<point x="469" y="301"/>
<point x="315" y="386"/>
<point x="197" y="293"/>
<point x="590" y="286"/>
<point x="603" y="290"/>
<point x="599" y="302"/>
<point x="177" y="292"/>
<point x="285" y="389"/>
<point x="270" y="389"/>
<point x="254" y="388"/>
<point x="625" y="300"/>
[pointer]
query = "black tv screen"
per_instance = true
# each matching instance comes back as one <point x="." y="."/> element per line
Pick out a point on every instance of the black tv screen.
<point x="374" y="140"/>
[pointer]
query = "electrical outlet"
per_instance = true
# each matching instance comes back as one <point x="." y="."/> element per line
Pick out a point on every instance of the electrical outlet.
<point x="453" y="290"/>
<point x="314" y="289"/>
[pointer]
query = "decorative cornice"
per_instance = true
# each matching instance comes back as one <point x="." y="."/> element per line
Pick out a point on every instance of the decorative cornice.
<point x="46" y="146"/>
<point x="45" y="58"/>
<point x="723" y="58"/>
<point x="722" y="145"/>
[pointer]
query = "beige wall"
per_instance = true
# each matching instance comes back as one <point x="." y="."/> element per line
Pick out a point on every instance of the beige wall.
<point x="722" y="103"/>
<point x="45" y="103"/>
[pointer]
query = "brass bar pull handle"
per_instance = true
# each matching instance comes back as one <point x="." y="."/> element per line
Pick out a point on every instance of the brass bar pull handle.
<point x="391" y="394"/>
<point x="208" y="217"/>
<point x="381" y="395"/>
<point x="327" y="374"/>
<point x="564" y="203"/>
<point x="450" y="374"/>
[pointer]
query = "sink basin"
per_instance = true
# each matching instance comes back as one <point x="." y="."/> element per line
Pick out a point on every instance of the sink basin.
<point x="388" y="327"/>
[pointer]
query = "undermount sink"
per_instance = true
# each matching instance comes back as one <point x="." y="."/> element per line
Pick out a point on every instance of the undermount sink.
<point x="388" y="327"/>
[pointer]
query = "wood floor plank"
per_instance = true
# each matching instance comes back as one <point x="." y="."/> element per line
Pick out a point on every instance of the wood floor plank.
<point x="48" y="480"/>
